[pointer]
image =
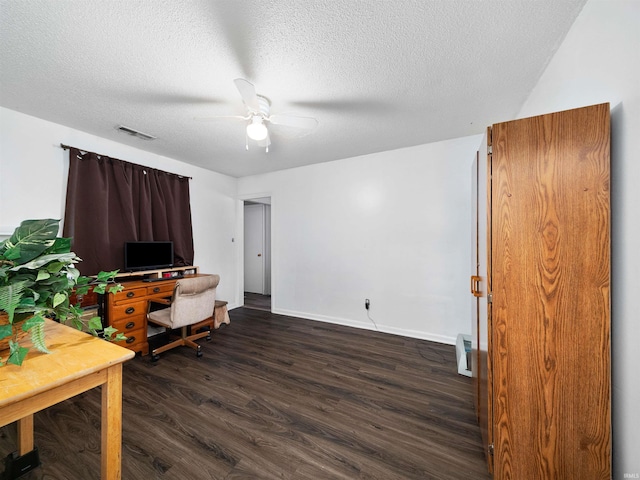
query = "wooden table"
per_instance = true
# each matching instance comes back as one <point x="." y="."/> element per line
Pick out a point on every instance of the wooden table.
<point x="78" y="362"/>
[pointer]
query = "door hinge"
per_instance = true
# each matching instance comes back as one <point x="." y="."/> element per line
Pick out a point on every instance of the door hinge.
<point x="490" y="149"/>
<point x="490" y="298"/>
<point x="490" y="449"/>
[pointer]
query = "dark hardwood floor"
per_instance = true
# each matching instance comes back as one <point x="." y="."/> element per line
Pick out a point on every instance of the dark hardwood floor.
<point x="257" y="301"/>
<point x="277" y="397"/>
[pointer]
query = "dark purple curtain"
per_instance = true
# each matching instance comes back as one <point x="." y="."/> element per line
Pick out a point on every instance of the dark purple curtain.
<point x="110" y="202"/>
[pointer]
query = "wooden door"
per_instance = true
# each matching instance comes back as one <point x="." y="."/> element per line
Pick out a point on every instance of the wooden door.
<point x="550" y="259"/>
<point x="484" y="288"/>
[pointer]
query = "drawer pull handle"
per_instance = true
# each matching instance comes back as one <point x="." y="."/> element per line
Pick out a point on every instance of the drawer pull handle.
<point x="129" y="310"/>
<point x="130" y="325"/>
<point x="131" y="339"/>
<point x="131" y="294"/>
<point x="475" y="286"/>
<point x="156" y="290"/>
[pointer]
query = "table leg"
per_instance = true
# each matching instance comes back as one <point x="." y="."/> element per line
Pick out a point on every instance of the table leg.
<point x="112" y="424"/>
<point x="25" y="435"/>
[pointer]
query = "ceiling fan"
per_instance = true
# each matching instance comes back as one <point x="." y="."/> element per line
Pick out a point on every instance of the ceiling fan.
<point x="259" y="116"/>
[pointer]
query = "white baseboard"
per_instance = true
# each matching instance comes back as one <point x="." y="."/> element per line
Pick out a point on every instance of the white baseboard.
<point x="369" y="326"/>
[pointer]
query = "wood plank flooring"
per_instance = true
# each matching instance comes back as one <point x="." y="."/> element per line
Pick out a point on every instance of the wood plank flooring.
<point x="277" y="397"/>
<point x="257" y="301"/>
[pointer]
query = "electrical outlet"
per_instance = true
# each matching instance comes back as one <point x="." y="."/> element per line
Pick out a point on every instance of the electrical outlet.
<point x="366" y="303"/>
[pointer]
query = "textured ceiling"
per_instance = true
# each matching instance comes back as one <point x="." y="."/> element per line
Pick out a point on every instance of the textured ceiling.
<point x="377" y="74"/>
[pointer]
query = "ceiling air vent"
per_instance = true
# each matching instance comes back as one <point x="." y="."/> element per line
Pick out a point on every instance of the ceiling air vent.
<point x="135" y="133"/>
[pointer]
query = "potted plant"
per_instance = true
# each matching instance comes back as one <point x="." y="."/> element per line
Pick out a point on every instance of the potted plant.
<point x="37" y="278"/>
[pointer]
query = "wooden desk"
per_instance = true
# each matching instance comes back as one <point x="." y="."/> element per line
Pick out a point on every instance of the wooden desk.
<point x="127" y="310"/>
<point x="78" y="362"/>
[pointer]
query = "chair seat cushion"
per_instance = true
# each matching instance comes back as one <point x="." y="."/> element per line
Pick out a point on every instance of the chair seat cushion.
<point x="161" y="317"/>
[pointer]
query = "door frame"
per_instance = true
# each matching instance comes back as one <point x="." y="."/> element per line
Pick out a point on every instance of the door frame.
<point x="240" y="252"/>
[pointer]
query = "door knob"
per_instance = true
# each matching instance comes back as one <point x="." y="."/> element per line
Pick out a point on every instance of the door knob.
<point x="259" y="254"/>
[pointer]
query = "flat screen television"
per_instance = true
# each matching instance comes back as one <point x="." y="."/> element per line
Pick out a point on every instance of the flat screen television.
<point x="140" y="256"/>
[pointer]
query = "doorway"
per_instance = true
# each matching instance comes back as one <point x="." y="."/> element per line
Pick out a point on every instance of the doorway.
<point x="257" y="253"/>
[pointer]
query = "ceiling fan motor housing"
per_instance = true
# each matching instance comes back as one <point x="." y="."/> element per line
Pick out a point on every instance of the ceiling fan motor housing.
<point x="265" y="106"/>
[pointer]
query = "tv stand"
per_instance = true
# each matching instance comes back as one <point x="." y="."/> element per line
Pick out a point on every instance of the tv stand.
<point x="166" y="273"/>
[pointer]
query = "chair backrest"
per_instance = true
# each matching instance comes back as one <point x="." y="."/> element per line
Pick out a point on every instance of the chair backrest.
<point x="193" y="300"/>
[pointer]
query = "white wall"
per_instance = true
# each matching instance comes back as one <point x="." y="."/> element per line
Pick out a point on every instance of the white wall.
<point x="393" y="227"/>
<point x="33" y="181"/>
<point x="599" y="61"/>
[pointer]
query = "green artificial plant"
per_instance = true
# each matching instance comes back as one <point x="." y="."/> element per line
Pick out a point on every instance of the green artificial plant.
<point x="37" y="278"/>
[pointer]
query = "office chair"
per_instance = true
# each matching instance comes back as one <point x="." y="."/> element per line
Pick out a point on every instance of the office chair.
<point x="192" y="301"/>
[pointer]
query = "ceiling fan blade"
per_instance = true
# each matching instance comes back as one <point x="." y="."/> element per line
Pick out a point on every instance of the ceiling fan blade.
<point x="221" y="117"/>
<point x="306" y="123"/>
<point x="248" y="94"/>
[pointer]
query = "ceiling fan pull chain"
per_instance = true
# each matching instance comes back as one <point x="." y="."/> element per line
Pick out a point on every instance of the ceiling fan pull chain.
<point x="246" y="139"/>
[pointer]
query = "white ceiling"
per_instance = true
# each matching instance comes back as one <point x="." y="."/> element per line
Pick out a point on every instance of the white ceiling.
<point x="377" y="74"/>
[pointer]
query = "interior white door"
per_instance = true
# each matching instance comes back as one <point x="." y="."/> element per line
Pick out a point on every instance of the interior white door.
<point x="254" y="248"/>
<point x="267" y="250"/>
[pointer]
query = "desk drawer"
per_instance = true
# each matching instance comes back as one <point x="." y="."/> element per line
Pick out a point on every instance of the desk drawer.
<point x="129" y="324"/>
<point x="129" y="295"/>
<point x="126" y="310"/>
<point x="164" y="288"/>
<point x="134" y="339"/>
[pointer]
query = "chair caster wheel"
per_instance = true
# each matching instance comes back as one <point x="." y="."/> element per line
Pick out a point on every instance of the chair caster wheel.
<point x="155" y="357"/>
<point x="198" y="353"/>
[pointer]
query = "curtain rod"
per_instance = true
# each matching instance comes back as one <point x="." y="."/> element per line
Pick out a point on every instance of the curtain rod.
<point x="67" y="147"/>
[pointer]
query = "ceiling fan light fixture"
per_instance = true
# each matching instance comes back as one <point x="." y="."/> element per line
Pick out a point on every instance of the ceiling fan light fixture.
<point x="257" y="130"/>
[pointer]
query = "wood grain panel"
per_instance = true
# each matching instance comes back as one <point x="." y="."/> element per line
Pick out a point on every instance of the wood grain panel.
<point x="128" y="324"/>
<point x="550" y="283"/>
<point x="484" y="312"/>
<point x="136" y="339"/>
<point x="129" y="295"/>
<point x="129" y="310"/>
<point x="111" y="425"/>
<point x="166" y="288"/>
